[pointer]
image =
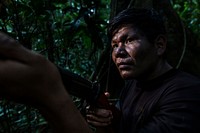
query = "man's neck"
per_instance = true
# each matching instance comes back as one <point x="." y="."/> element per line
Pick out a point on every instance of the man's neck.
<point x="161" y="68"/>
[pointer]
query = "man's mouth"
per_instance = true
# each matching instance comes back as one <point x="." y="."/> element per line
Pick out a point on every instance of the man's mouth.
<point x="124" y="65"/>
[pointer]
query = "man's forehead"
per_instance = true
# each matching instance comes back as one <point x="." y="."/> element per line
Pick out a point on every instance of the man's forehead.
<point x="124" y="29"/>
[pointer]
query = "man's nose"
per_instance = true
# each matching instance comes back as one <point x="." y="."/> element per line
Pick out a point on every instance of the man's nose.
<point x="120" y="51"/>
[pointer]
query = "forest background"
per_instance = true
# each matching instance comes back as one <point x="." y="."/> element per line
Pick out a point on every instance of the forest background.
<point x="72" y="34"/>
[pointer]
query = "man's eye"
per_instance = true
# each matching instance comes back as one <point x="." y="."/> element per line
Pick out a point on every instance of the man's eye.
<point x="114" y="45"/>
<point x="130" y="40"/>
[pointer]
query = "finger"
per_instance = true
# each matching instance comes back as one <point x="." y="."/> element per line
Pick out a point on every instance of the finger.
<point x="98" y="111"/>
<point x="98" y="124"/>
<point x="99" y="119"/>
<point x="103" y="112"/>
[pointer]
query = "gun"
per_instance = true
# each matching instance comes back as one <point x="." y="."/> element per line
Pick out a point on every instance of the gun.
<point x="83" y="88"/>
<point x="78" y="86"/>
<point x="90" y="91"/>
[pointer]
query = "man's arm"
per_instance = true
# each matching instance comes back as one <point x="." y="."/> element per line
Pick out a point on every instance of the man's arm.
<point x="29" y="78"/>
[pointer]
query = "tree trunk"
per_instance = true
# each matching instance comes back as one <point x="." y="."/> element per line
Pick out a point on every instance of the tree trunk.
<point x="49" y="42"/>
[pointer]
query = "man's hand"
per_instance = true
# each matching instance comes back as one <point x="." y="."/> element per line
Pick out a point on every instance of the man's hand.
<point x="99" y="117"/>
<point x="28" y="77"/>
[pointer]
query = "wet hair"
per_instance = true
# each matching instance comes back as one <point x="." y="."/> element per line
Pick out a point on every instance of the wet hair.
<point x="147" y="21"/>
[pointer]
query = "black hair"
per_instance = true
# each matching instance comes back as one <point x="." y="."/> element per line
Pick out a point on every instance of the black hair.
<point x="148" y="21"/>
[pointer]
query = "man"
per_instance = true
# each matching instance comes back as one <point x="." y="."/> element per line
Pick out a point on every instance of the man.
<point x="156" y="97"/>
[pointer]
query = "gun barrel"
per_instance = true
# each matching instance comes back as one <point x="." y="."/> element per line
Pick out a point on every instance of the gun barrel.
<point x="80" y="87"/>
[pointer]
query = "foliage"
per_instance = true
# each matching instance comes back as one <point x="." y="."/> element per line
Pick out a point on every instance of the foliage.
<point x="189" y="11"/>
<point x="19" y="118"/>
<point x="70" y="33"/>
<point x="61" y="30"/>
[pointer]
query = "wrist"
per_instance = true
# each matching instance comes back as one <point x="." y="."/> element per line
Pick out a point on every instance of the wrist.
<point x="62" y="114"/>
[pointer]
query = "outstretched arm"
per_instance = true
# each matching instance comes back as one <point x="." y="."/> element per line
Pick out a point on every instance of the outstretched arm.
<point x="29" y="78"/>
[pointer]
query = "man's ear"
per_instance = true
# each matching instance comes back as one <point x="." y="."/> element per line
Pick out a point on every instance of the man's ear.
<point x="160" y="44"/>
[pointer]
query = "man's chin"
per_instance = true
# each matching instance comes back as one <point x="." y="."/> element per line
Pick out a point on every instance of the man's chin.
<point x="127" y="75"/>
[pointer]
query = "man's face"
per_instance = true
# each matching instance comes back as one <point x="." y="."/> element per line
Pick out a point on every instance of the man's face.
<point x="132" y="53"/>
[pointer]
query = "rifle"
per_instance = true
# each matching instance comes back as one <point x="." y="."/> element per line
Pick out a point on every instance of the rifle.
<point x="83" y="88"/>
<point x="78" y="86"/>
